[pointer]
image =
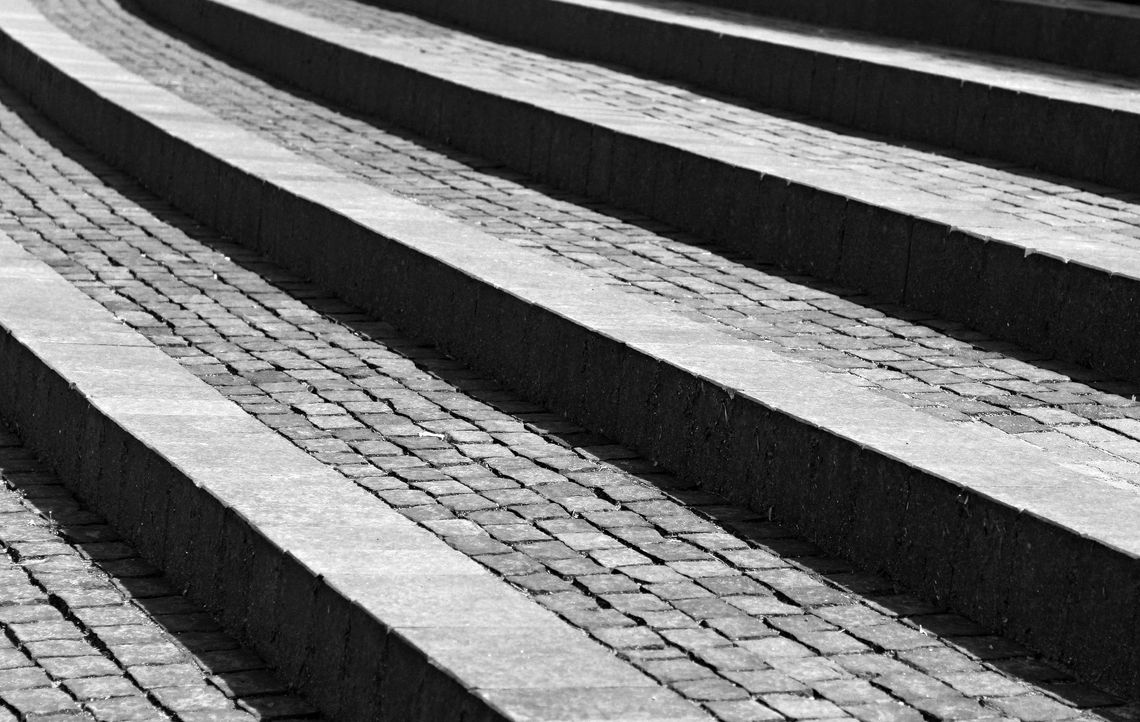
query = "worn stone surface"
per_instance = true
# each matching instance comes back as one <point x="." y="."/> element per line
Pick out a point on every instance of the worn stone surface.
<point x="940" y="251"/>
<point x="1039" y="30"/>
<point x="941" y="368"/>
<point x="919" y="89"/>
<point x="90" y="631"/>
<point x="715" y="602"/>
<point x="322" y="570"/>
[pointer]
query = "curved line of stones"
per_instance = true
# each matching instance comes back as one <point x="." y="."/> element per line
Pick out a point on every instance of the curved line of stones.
<point x="940" y="368"/>
<point x="168" y="334"/>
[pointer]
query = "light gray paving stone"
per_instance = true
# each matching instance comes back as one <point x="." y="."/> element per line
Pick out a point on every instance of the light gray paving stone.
<point x="501" y="658"/>
<point x="590" y="704"/>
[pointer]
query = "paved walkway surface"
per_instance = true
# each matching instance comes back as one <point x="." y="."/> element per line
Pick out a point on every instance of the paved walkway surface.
<point x="89" y="631"/>
<point x="1085" y="420"/>
<point x="717" y="603"/>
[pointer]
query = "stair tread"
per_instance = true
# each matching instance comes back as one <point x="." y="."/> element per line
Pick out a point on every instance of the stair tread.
<point x="400" y="30"/>
<point x="1022" y="75"/>
<point x="1043" y="214"/>
<point x="540" y="283"/>
<point x="1047" y="30"/>
<point x="176" y="254"/>
<point x="901" y="354"/>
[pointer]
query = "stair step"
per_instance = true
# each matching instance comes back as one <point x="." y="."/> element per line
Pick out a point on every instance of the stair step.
<point x="1055" y="31"/>
<point x="886" y="485"/>
<point x="158" y="253"/>
<point x="1057" y="120"/>
<point x="98" y="631"/>
<point x="941" y="368"/>
<point x="1049" y="266"/>
<point x="370" y="615"/>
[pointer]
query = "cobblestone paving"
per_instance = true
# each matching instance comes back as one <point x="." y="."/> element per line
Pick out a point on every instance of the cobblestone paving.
<point x="89" y="631"/>
<point x="1041" y="204"/>
<point x="951" y="58"/>
<point x="1084" y="420"/>
<point x="720" y="605"/>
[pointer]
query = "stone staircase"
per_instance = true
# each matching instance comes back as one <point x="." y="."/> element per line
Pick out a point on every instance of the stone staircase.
<point x="793" y="366"/>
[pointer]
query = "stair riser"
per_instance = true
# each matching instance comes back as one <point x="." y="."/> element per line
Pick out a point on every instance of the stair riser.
<point x="1063" y="309"/>
<point x="984" y="558"/>
<point x="259" y="592"/>
<point x="1052" y="33"/>
<point x="895" y="101"/>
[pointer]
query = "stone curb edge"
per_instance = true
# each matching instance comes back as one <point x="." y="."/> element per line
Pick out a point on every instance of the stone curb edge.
<point x="992" y="529"/>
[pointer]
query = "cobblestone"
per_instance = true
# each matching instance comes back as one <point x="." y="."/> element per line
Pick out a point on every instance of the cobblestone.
<point x="938" y="367"/>
<point x="734" y="628"/>
<point x="121" y="657"/>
